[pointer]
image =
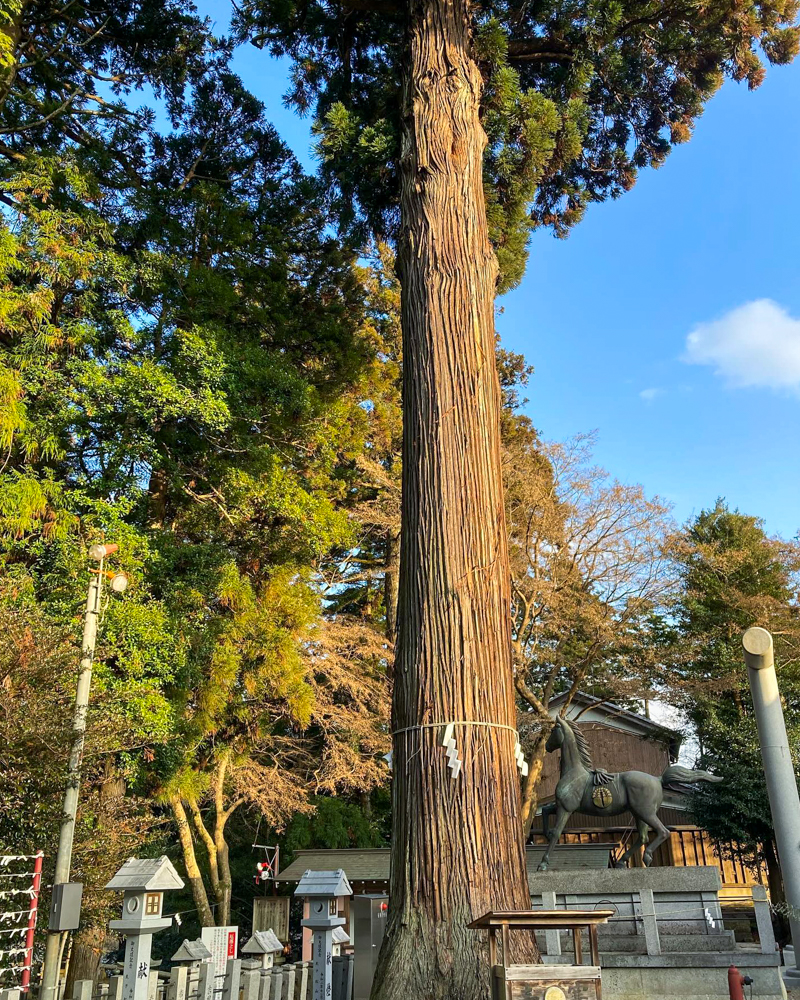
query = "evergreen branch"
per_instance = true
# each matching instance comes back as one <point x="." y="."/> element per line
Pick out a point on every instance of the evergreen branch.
<point x="540" y="50"/>
<point x="376" y="6"/>
<point x="43" y="121"/>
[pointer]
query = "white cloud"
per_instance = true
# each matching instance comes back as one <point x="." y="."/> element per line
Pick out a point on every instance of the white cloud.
<point x="757" y="344"/>
<point x="648" y="395"/>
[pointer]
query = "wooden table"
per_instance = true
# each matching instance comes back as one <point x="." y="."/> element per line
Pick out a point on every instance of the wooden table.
<point x="544" y="982"/>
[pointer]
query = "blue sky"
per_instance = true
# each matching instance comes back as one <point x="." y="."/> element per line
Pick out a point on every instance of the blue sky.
<point x="669" y="321"/>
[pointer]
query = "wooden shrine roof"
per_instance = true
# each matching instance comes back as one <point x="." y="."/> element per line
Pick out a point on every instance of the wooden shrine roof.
<point x="372" y="865"/>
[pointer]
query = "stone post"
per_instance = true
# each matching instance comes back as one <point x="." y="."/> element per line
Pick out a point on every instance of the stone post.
<point x="206" y="980"/>
<point x="251" y="980"/>
<point x="766" y="935"/>
<point x="178" y="981"/>
<point x="552" y="938"/>
<point x="115" y="988"/>
<point x="648" y="915"/>
<point x="137" y="966"/>
<point x="277" y="983"/>
<point x="779" y="771"/>
<point x="82" y="989"/>
<point x="301" y="988"/>
<point x="287" y="991"/>
<point x="233" y="972"/>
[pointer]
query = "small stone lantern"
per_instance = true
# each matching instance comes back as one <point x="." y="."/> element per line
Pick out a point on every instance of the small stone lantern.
<point x="143" y="883"/>
<point x="191" y="953"/>
<point x="322" y="890"/>
<point x="338" y="938"/>
<point x="265" y="944"/>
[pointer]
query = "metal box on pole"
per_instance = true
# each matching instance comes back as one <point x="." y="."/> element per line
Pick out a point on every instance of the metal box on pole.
<point x="65" y="906"/>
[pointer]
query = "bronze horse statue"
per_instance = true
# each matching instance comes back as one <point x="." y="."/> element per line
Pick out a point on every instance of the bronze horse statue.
<point x="596" y="792"/>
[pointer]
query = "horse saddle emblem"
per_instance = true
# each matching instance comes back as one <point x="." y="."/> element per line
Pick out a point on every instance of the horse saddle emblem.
<point x="601" y="797"/>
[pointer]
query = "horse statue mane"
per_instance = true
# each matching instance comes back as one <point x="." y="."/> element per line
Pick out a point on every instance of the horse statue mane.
<point x="599" y="776"/>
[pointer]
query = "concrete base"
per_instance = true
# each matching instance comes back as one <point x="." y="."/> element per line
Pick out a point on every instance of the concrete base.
<point x="689" y="983"/>
<point x="666" y="940"/>
<point x="791" y="973"/>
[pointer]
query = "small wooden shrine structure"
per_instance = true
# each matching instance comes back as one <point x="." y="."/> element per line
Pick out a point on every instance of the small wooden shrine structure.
<point x="544" y="982"/>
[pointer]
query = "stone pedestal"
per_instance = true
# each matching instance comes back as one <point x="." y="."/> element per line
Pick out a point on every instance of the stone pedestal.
<point x="667" y="939"/>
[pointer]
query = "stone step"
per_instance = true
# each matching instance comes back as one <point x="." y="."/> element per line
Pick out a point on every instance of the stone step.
<point x="719" y="941"/>
<point x="634" y="944"/>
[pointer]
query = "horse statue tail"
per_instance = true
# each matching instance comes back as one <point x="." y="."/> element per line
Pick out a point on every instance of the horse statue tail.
<point x="675" y="776"/>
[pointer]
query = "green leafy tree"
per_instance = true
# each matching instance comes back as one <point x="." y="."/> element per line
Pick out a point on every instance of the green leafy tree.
<point x="183" y="353"/>
<point x="453" y="129"/>
<point x="67" y="73"/>
<point x="737" y="814"/>
<point x="733" y="575"/>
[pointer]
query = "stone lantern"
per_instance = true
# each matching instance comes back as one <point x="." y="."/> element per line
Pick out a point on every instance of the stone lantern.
<point x="191" y="953"/>
<point x="338" y="938"/>
<point x="322" y="890"/>
<point x="264" y="944"/>
<point x="195" y="959"/>
<point x="143" y="883"/>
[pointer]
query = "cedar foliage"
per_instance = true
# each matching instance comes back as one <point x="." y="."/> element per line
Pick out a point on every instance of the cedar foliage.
<point x="577" y="98"/>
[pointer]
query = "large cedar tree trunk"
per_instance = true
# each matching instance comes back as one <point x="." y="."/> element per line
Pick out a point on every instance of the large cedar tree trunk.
<point x="457" y="844"/>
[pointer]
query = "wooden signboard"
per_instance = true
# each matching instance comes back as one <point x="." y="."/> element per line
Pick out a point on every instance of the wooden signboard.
<point x="548" y="982"/>
<point x="272" y="912"/>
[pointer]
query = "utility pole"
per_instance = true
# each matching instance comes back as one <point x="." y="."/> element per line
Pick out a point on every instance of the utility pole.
<point x="784" y="802"/>
<point x="52" y="956"/>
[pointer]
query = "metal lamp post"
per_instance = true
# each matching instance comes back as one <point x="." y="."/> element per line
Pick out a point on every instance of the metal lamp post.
<point x="52" y="955"/>
<point x="784" y="802"/>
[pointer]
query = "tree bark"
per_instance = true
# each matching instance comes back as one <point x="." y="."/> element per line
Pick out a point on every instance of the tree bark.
<point x="225" y="890"/>
<point x="530" y="790"/>
<point x="225" y="879"/>
<point x="84" y="960"/>
<point x="457" y="846"/>
<point x="193" y="873"/>
<point x="391" y="585"/>
<point x="9" y="63"/>
<point x="211" y="847"/>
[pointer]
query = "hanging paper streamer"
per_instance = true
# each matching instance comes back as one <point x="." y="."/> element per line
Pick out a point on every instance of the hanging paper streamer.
<point x="16" y="925"/>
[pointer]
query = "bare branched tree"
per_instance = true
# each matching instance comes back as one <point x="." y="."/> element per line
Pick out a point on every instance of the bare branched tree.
<point x="588" y="569"/>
